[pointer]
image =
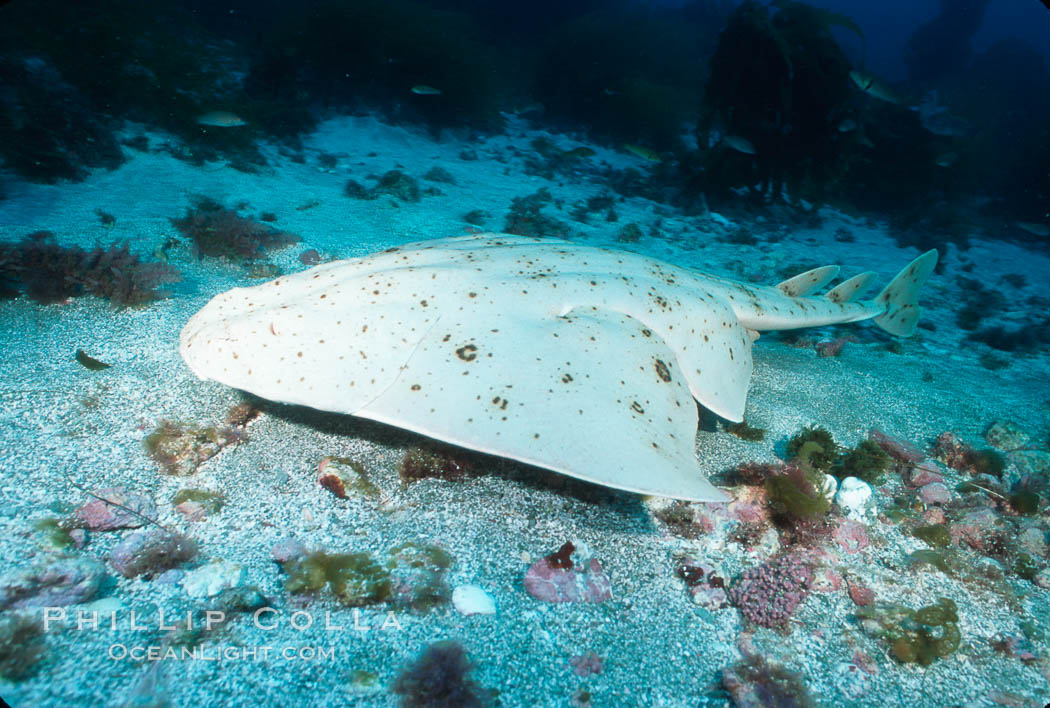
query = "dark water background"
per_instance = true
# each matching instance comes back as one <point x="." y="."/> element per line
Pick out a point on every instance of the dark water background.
<point x="666" y="76"/>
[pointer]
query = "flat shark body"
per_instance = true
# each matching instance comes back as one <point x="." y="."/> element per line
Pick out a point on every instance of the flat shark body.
<point x="581" y="360"/>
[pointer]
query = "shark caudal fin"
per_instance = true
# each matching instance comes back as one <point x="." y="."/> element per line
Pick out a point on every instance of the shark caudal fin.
<point x="901" y="297"/>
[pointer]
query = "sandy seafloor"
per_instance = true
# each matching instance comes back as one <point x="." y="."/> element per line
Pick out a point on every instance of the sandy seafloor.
<point x="59" y="421"/>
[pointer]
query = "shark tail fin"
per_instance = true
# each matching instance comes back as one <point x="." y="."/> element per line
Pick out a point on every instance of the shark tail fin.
<point x="901" y="297"/>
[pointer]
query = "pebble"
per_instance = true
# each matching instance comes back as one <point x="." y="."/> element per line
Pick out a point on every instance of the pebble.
<point x="851" y="536"/>
<point x="976" y="527"/>
<point x="61" y="582"/>
<point x="79" y="537"/>
<point x="171" y="577"/>
<point x="472" y="600"/>
<point x="103" y="606"/>
<point x="568" y="575"/>
<point x="1030" y="463"/>
<point x="926" y="472"/>
<point x="1042" y="578"/>
<point x="1033" y="540"/>
<point x="310" y="257"/>
<point x="586" y="664"/>
<point x="150" y="553"/>
<point x="193" y="511"/>
<point x="287" y="549"/>
<point x="1006" y="435"/>
<point x="345" y="478"/>
<point x="851" y="681"/>
<point x="861" y="594"/>
<point x="825" y="580"/>
<point x="211" y="579"/>
<point x="899" y="449"/>
<point x="100" y="515"/>
<point x="239" y="599"/>
<point x="706" y="582"/>
<point x="935" y="493"/>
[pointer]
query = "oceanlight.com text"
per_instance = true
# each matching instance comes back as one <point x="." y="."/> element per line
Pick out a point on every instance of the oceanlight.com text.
<point x="140" y="653"/>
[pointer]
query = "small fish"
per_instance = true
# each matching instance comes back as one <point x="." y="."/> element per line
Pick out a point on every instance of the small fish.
<point x="936" y="118"/>
<point x="221" y="119"/>
<point x="945" y="124"/>
<point x="947" y="159"/>
<point x="643" y="152"/>
<point x="578" y="153"/>
<point x="534" y="107"/>
<point x="90" y="362"/>
<point x="874" y="87"/>
<point x="847" y="125"/>
<point x="1033" y="228"/>
<point x="424" y="90"/>
<point x="735" y="142"/>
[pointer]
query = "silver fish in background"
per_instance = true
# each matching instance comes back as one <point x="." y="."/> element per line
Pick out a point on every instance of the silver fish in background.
<point x="874" y="87"/>
<point x="947" y="159"/>
<point x="936" y="119"/>
<point x="221" y="119"/>
<point x="643" y="152"/>
<point x="735" y="142"/>
<point x="423" y="90"/>
<point x="1033" y="228"/>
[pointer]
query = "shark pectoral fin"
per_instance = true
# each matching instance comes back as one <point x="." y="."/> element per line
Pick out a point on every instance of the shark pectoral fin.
<point x="593" y="394"/>
<point x="716" y="359"/>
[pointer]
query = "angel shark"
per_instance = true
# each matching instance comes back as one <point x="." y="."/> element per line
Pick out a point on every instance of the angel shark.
<point x="577" y="359"/>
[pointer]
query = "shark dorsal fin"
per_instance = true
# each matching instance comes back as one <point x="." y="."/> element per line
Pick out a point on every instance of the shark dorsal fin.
<point x="850" y="290"/>
<point x="805" y="283"/>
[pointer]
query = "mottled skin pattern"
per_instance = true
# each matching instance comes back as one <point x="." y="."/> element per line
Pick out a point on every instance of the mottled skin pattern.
<point x="578" y="359"/>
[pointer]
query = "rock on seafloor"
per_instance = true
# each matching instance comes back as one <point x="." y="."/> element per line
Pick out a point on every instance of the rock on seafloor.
<point x="706" y="582"/>
<point x="288" y="549"/>
<point x="63" y="581"/>
<point x="569" y="574"/>
<point x="150" y="552"/>
<point x="1006" y="435"/>
<point x="211" y="579"/>
<point x="116" y="508"/>
<point x="851" y="536"/>
<point x="926" y="472"/>
<point x="935" y="493"/>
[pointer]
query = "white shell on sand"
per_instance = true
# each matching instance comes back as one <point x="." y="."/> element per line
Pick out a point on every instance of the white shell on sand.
<point x="830" y="487"/>
<point x="472" y="600"/>
<point x="855" y="499"/>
